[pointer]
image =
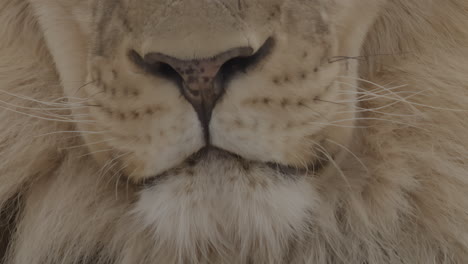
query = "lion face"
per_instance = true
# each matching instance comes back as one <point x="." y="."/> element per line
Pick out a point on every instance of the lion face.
<point x="255" y="79"/>
<point x="217" y="104"/>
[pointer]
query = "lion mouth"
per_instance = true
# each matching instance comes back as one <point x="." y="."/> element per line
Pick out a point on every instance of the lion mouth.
<point x="210" y="153"/>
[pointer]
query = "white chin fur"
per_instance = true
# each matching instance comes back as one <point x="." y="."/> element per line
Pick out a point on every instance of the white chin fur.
<point x="222" y="205"/>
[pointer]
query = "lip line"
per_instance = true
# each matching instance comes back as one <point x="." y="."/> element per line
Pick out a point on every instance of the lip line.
<point x="292" y="172"/>
<point x="316" y="165"/>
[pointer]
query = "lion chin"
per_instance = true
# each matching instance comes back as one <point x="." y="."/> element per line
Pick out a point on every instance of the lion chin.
<point x="233" y="131"/>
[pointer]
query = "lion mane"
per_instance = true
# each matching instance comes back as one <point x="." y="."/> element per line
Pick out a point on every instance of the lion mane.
<point x="409" y="204"/>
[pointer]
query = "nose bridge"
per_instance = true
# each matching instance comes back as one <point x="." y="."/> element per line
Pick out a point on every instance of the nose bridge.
<point x="195" y="38"/>
<point x="193" y="29"/>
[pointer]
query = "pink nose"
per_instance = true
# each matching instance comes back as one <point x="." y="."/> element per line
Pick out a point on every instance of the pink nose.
<point x="202" y="80"/>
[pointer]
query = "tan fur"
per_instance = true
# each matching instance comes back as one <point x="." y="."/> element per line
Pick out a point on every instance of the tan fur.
<point x="397" y="192"/>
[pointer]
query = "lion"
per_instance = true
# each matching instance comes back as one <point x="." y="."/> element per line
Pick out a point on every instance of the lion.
<point x="233" y="131"/>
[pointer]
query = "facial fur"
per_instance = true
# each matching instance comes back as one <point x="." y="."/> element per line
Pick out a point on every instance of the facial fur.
<point x="284" y="97"/>
<point x="325" y="143"/>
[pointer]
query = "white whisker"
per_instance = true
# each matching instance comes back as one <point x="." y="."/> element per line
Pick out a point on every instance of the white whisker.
<point x="52" y="103"/>
<point x="95" y="152"/>
<point x="379" y="119"/>
<point x="350" y="152"/>
<point x="42" y="108"/>
<point x="119" y="173"/>
<point x="48" y="119"/>
<point x="322" y="150"/>
<point x="71" y="131"/>
<point x="110" y="164"/>
<point x="408" y="102"/>
<point x="88" y="144"/>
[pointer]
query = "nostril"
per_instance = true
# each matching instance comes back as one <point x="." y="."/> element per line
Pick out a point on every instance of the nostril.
<point x="234" y="67"/>
<point x="226" y="65"/>
<point x="242" y="64"/>
<point x="154" y="67"/>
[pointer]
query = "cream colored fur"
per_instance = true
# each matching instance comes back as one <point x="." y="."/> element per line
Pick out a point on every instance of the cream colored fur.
<point x="398" y="193"/>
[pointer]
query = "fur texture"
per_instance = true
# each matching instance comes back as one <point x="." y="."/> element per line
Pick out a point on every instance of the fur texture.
<point x="396" y="193"/>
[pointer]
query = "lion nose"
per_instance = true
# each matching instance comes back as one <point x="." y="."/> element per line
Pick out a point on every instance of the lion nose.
<point x="202" y="80"/>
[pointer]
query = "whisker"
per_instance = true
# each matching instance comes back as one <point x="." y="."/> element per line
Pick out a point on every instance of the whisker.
<point x="89" y="144"/>
<point x="363" y="57"/>
<point x="377" y="94"/>
<point x="368" y="93"/>
<point x="48" y="119"/>
<point x="332" y="102"/>
<point x="375" y="110"/>
<point x="336" y="125"/>
<point x="42" y="108"/>
<point x="23" y="97"/>
<point x="129" y="177"/>
<point x="322" y="150"/>
<point x="96" y="152"/>
<point x="84" y="85"/>
<point x="408" y="102"/>
<point x="111" y="163"/>
<point x="379" y="119"/>
<point x="16" y="106"/>
<point x="345" y="58"/>
<point x="120" y="174"/>
<point x="350" y="152"/>
<point x="72" y="132"/>
<point x="369" y="82"/>
<point x="371" y="110"/>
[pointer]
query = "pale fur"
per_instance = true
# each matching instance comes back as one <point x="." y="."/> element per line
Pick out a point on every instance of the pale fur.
<point x="401" y="196"/>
